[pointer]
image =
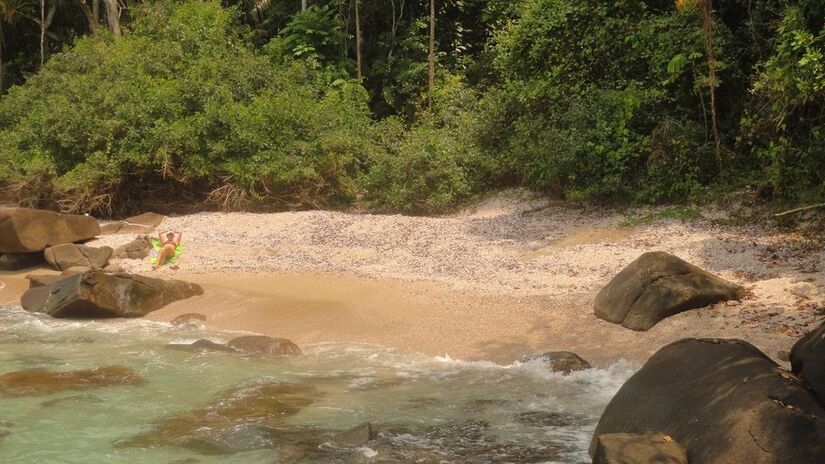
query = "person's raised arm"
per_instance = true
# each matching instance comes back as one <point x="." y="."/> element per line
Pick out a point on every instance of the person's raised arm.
<point x="180" y="237"/>
<point x="160" y="236"/>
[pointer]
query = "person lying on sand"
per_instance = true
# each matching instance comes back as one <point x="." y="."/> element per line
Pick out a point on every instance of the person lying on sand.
<point x="168" y="247"/>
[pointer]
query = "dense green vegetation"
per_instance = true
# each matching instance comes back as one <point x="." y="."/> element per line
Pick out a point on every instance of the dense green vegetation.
<point x="259" y="105"/>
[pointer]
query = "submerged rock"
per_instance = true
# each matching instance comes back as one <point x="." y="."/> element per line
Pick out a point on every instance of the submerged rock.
<point x="95" y="294"/>
<point x="24" y="230"/>
<point x="243" y="418"/>
<point x="355" y="437"/>
<point x="725" y="401"/>
<point x="564" y="362"/>
<point x="74" y="399"/>
<point x="261" y="344"/>
<point x="648" y="448"/>
<point x="44" y="382"/>
<point x="189" y="319"/>
<point x="656" y="286"/>
<point x="70" y="255"/>
<point x="201" y="345"/>
<point x="808" y="360"/>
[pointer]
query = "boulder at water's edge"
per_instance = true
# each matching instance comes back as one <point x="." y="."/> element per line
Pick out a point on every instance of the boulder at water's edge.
<point x="96" y="294"/>
<point x="658" y="285"/>
<point x="723" y="400"/>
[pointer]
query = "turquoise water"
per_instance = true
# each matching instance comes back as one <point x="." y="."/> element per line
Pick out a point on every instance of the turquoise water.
<point x="423" y="409"/>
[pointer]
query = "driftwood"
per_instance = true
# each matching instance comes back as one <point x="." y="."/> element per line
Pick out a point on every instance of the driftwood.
<point x="799" y="210"/>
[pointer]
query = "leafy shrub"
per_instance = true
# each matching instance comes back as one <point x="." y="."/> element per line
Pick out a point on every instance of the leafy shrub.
<point x="182" y="109"/>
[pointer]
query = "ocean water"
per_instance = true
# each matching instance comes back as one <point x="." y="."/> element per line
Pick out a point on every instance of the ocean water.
<point x="201" y="407"/>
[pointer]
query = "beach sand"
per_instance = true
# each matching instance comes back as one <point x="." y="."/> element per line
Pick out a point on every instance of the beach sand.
<point x="496" y="281"/>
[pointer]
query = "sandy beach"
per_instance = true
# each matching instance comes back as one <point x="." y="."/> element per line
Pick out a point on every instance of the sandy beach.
<point x="504" y="278"/>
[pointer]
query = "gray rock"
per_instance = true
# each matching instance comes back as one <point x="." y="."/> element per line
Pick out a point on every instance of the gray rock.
<point x="564" y="362"/>
<point x="151" y="219"/>
<point x="123" y="227"/>
<point x="95" y="294"/>
<point x="113" y="268"/>
<point x="355" y="437"/>
<point x="648" y="448"/>
<point x="75" y="270"/>
<point x="25" y="230"/>
<point x="18" y="261"/>
<point x="658" y="285"/>
<point x="40" y="280"/>
<point x="200" y="345"/>
<point x="138" y="248"/>
<point x="725" y="401"/>
<point x="69" y="255"/>
<point x="261" y="344"/>
<point x="189" y="319"/>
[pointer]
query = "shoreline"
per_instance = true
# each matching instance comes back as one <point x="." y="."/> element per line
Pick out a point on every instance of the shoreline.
<point x="494" y="282"/>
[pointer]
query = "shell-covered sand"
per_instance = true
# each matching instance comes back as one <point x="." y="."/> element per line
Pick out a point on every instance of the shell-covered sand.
<point x="505" y="277"/>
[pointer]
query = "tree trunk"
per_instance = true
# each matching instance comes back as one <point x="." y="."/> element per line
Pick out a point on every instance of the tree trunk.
<point x="358" y="41"/>
<point x="42" y="30"/>
<point x="113" y="17"/>
<point x="91" y="17"/>
<point x="303" y="5"/>
<point x="2" y="44"/>
<point x="431" y="82"/>
<point x="96" y="11"/>
<point x="709" y="31"/>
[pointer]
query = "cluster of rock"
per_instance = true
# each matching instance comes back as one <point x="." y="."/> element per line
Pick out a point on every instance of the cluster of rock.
<point x="89" y="286"/>
<point x="706" y="400"/>
<point x="30" y="237"/>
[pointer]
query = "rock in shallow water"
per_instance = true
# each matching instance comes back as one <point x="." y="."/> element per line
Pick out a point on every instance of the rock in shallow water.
<point x="564" y="362"/>
<point x="261" y="344"/>
<point x="95" y="294"/>
<point x="725" y="401"/>
<point x="25" y="230"/>
<point x="45" y="382"/>
<point x="659" y="285"/>
<point x="243" y="418"/>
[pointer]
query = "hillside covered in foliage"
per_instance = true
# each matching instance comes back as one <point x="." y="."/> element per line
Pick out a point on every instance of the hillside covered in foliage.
<point x="407" y="105"/>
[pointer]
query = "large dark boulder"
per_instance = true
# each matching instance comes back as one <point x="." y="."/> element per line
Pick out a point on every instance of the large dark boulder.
<point x="648" y="448"/>
<point x="723" y="400"/>
<point x="98" y="294"/>
<point x="808" y="360"/>
<point x="69" y="255"/>
<point x="25" y="230"/>
<point x="658" y="285"/>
